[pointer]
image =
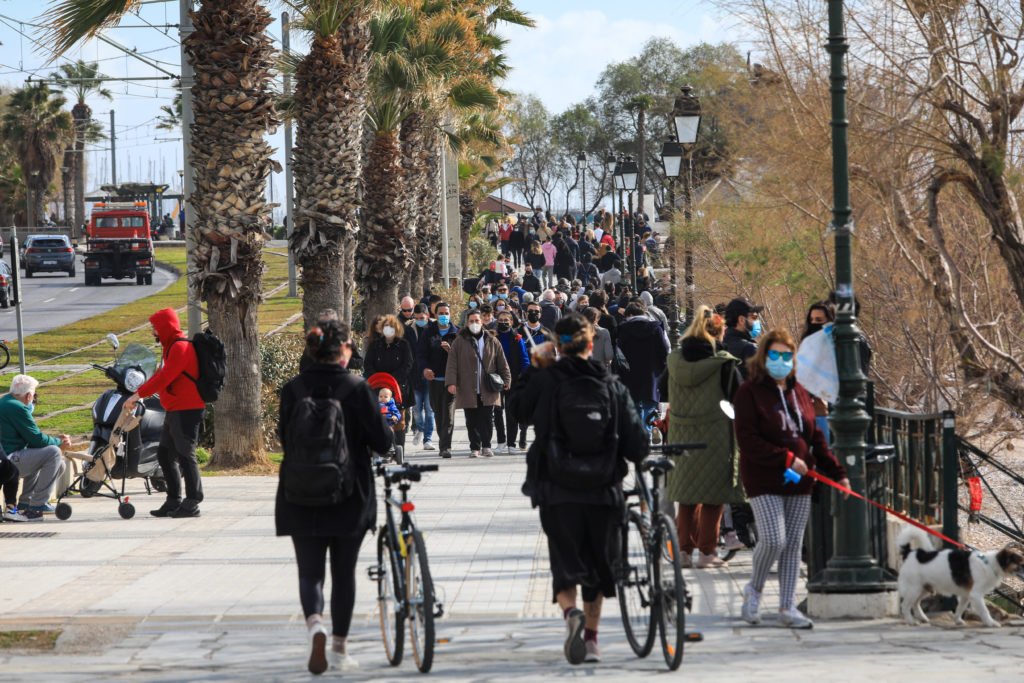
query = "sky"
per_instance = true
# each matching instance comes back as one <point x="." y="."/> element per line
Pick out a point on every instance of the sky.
<point x="560" y="60"/>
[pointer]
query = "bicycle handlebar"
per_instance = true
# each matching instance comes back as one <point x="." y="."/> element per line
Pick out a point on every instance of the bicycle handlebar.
<point x="679" y="448"/>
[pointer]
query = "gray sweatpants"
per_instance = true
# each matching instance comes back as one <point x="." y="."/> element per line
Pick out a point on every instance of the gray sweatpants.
<point x="39" y="467"/>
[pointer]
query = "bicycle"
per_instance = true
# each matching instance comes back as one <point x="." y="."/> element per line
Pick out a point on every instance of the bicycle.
<point x="405" y="589"/>
<point x="5" y="354"/>
<point x="649" y="576"/>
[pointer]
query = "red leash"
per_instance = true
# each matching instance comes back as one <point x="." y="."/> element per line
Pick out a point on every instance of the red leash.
<point x="908" y="520"/>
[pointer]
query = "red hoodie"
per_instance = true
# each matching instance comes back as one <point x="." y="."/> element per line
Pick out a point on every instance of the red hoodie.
<point x="177" y="392"/>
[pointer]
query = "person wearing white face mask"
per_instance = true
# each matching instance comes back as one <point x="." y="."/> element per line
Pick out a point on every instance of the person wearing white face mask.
<point x="475" y="354"/>
<point x="390" y="352"/>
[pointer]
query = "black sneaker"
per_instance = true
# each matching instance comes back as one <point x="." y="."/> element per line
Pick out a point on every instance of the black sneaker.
<point x="166" y="509"/>
<point x="446" y="454"/>
<point x="575" y="648"/>
<point x="186" y="509"/>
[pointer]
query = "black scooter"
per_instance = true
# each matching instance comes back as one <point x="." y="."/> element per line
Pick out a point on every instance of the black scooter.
<point x="137" y="452"/>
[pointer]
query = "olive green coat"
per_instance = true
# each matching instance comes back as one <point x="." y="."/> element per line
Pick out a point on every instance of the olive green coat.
<point x="704" y="476"/>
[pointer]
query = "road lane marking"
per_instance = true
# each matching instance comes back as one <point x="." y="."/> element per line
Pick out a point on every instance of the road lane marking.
<point x="73" y="289"/>
<point x="49" y="300"/>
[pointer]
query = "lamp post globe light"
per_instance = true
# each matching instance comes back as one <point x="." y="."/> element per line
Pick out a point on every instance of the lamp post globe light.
<point x="686" y="115"/>
<point x="852" y="584"/>
<point x="581" y="166"/>
<point x="671" y="161"/>
<point x="630" y="174"/>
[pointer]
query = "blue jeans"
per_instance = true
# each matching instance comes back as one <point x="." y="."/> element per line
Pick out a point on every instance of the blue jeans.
<point x="645" y="409"/>
<point x="422" y="415"/>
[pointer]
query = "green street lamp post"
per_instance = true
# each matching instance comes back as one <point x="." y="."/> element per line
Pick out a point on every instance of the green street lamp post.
<point x="611" y="164"/>
<point x="630" y="174"/>
<point x="686" y="116"/>
<point x="852" y="569"/>
<point x="581" y="166"/>
<point x="671" y="161"/>
<point x="618" y="217"/>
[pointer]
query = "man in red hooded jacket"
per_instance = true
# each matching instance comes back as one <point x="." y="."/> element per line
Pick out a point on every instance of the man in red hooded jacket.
<point x="175" y="382"/>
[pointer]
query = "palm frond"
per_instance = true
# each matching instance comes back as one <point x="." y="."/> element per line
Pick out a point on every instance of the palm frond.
<point x="506" y="12"/>
<point x="70" y="21"/>
<point x="472" y="93"/>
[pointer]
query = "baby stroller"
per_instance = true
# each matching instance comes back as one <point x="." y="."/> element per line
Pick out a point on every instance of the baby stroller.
<point x="378" y="381"/>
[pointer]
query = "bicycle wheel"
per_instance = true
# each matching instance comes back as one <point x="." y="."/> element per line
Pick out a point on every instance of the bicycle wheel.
<point x="634" y="586"/>
<point x="670" y="591"/>
<point x="388" y="602"/>
<point x="420" y="591"/>
<point x="5" y="356"/>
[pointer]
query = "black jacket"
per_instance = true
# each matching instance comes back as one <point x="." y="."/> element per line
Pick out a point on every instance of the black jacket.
<point x="536" y="261"/>
<point x="741" y="345"/>
<point x="395" y="359"/>
<point x="531" y="402"/>
<point x="367" y="433"/>
<point x="549" y="314"/>
<point x="643" y="343"/>
<point x="432" y="356"/>
<point x="531" y="283"/>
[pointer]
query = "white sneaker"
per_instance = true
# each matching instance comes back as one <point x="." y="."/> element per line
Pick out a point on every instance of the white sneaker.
<point x="416" y="438"/>
<point x="427" y="446"/>
<point x="317" y="648"/>
<point x="751" y="598"/>
<point x="794" y="618"/>
<point x="733" y="542"/>
<point x="487" y="453"/>
<point x="474" y="454"/>
<point x="508" y="449"/>
<point x="342" y="662"/>
<point x="12" y="515"/>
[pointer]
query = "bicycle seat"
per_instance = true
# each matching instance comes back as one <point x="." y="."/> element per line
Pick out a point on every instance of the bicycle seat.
<point x="658" y="465"/>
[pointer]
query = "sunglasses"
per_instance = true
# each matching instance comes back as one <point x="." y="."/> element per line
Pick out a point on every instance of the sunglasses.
<point x="406" y="310"/>
<point x="784" y="355"/>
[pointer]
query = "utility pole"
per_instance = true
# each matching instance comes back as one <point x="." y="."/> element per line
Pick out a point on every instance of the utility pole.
<point x="113" y="151"/>
<point x="195" y="314"/>
<point x="288" y="191"/>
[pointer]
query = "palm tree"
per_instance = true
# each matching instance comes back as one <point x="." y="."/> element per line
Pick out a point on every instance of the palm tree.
<point x="80" y="79"/>
<point x="170" y="119"/>
<point x="329" y="107"/>
<point x="233" y="110"/>
<point x="36" y="126"/>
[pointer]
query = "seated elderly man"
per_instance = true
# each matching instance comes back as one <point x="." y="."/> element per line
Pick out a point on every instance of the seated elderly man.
<point x="37" y="456"/>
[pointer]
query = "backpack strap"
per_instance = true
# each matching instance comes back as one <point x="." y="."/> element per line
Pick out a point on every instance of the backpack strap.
<point x="195" y="380"/>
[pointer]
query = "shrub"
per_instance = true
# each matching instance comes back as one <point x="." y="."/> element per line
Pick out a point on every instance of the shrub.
<point x="279" y="356"/>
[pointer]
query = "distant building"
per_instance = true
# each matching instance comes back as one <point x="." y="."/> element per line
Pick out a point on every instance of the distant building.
<point x="497" y="205"/>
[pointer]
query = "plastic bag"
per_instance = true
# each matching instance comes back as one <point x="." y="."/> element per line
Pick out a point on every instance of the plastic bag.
<point x="816" y="366"/>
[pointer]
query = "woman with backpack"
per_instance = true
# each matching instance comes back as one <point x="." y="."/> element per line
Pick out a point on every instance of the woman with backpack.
<point x="700" y="375"/>
<point x="475" y="356"/>
<point x="775" y="431"/>
<point x="577" y="407"/>
<point x="319" y="518"/>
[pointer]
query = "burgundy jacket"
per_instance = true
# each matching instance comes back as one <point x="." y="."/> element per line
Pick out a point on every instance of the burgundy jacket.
<point x="765" y="435"/>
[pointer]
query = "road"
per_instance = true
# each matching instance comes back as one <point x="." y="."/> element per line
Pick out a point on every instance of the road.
<point x="51" y="300"/>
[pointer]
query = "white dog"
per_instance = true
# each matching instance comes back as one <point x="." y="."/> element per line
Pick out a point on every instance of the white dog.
<point x="969" y="575"/>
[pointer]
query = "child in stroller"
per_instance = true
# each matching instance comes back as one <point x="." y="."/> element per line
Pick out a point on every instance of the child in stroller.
<point x="391" y="407"/>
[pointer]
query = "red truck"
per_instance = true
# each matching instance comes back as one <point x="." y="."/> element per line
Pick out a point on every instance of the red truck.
<point x="119" y="243"/>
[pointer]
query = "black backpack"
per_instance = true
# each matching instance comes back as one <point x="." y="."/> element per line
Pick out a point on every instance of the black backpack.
<point x="583" y="450"/>
<point x="213" y="365"/>
<point x="317" y="468"/>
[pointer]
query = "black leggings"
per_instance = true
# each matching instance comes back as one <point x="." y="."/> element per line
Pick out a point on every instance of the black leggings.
<point x="311" y="555"/>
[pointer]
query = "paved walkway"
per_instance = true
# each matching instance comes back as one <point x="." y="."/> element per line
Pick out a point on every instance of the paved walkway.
<point x="216" y="598"/>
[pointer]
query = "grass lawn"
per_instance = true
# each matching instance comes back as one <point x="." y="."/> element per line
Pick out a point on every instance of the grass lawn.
<point x="83" y="388"/>
<point x="29" y="640"/>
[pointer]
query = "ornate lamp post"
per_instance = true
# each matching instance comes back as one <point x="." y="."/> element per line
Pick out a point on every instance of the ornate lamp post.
<point x="581" y="166"/>
<point x="617" y="178"/>
<point x="630" y="174"/>
<point x="686" y="115"/>
<point x="671" y="161"/>
<point x="852" y="569"/>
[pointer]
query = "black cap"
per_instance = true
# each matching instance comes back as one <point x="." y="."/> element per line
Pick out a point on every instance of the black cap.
<point x="737" y="307"/>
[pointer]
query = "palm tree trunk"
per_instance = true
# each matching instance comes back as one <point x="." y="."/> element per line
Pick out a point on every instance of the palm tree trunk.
<point x="81" y="113"/>
<point x="330" y="101"/>
<point x="382" y="256"/>
<point x="467" y="213"/>
<point x="415" y="169"/>
<point x="231" y="159"/>
<point x="428" y="253"/>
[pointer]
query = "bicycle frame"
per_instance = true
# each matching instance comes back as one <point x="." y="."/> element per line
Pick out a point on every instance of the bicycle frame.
<point x="398" y="531"/>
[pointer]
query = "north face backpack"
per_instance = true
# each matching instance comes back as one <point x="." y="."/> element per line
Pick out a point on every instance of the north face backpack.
<point x="582" y="452"/>
<point x="213" y="365"/>
<point x="317" y="468"/>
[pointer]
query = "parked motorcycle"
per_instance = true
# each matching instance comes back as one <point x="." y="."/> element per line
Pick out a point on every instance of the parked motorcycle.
<point x="135" y="452"/>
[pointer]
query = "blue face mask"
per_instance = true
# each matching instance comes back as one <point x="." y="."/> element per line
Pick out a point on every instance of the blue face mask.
<point x="756" y="329"/>
<point x="472" y="304"/>
<point x="779" y="369"/>
<point x="503" y="296"/>
<point x="421" y="323"/>
<point x="443" y="320"/>
<point x="31" y="407"/>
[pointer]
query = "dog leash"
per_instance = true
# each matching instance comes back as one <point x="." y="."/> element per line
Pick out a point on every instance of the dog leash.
<point x="909" y="520"/>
